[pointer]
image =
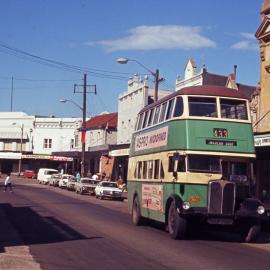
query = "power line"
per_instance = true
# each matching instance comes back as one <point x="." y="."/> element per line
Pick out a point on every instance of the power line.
<point x="4" y="48"/>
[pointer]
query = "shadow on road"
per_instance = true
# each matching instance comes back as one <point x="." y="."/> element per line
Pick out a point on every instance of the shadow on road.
<point x="23" y="226"/>
<point x="211" y="233"/>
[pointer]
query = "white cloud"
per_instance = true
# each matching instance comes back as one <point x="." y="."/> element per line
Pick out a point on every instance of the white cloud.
<point x="159" y="37"/>
<point x="249" y="42"/>
<point x="248" y="35"/>
<point x="245" y="45"/>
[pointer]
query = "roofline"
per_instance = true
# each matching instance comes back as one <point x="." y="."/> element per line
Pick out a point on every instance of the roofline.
<point x="210" y="90"/>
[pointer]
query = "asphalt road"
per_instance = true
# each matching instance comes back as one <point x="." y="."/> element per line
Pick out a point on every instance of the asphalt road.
<point x="64" y="230"/>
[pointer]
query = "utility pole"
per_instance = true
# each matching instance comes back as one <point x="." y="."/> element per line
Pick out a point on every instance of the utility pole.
<point x="83" y="127"/>
<point x="157" y="80"/>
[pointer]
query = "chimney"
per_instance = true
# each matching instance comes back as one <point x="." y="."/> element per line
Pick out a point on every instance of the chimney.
<point x="234" y="71"/>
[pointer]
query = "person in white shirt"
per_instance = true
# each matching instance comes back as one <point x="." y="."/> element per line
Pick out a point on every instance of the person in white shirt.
<point x="95" y="177"/>
<point x="8" y="183"/>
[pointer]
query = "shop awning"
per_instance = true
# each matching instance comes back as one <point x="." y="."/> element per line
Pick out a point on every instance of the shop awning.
<point x="13" y="135"/>
<point x="119" y="152"/>
<point x="10" y="155"/>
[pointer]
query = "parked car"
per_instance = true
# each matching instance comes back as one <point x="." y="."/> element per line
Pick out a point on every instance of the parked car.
<point x="71" y="183"/>
<point x="64" y="179"/>
<point x="54" y="180"/>
<point x="29" y="174"/>
<point x="106" y="189"/>
<point x="86" y="185"/>
<point x="44" y="175"/>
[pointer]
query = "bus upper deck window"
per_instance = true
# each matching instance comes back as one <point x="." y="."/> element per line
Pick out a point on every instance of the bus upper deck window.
<point x="139" y="126"/>
<point x="233" y="109"/>
<point x="178" y="110"/>
<point x="202" y="106"/>
<point x="170" y="109"/>
<point x="156" y="115"/>
<point x="163" y="111"/>
<point x="145" y="119"/>
<point x="150" y="119"/>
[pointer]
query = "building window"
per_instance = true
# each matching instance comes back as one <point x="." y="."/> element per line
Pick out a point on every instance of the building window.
<point x="71" y="143"/>
<point x="76" y="140"/>
<point x="47" y="143"/>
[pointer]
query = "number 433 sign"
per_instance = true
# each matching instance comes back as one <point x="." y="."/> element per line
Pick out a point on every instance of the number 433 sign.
<point x="220" y="132"/>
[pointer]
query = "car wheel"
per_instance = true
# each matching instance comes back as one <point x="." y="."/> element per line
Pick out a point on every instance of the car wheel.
<point x="249" y="233"/>
<point x="136" y="212"/>
<point x="176" y="224"/>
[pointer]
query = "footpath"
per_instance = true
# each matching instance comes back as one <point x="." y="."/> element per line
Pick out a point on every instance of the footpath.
<point x="14" y="255"/>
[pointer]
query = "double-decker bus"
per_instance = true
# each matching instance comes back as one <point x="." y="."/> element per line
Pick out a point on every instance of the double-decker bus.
<point x="191" y="162"/>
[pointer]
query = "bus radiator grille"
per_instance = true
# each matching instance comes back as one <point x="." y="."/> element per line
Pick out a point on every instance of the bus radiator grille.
<point x="221" y="198"/>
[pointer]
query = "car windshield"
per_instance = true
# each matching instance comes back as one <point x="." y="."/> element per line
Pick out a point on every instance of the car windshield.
<point x="50" y="172"/>
<point x="108" y="184"/>
<point x="85" y="181"/>
<point x="94" y="182"/>
<point x="56" y="176"/>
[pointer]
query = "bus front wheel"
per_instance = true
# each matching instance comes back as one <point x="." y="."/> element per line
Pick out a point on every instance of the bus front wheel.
<point x="176" y="224"/>
<point x="136" y="212"/>
<point x="250" y="233"/>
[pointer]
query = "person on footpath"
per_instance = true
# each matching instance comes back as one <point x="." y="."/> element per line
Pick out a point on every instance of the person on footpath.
<point x="8" y="183"/>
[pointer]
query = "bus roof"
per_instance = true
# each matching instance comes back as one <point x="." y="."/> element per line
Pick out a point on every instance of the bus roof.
<point x="202" y="90"/>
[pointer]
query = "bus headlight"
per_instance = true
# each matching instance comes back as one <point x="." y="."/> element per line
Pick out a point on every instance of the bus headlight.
<point x="260" y="210"/>
<point x="186" y="205"/>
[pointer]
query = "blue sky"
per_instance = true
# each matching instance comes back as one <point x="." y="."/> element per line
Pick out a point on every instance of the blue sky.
<point x="93" y="33"/>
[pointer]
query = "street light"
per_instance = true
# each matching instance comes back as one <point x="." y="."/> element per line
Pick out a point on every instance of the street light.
<point x="83" y="109"/>
<point x="155" y="74"/>
<point x="20" y="160"/>
<point x="71" y="101"/>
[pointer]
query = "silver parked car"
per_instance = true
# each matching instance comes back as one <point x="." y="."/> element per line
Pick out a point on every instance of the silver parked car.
<point x="71" y="183"/>
<point x="86" y="185"/>
<point x="64" y="180"/>
<point x="54" y="180"/>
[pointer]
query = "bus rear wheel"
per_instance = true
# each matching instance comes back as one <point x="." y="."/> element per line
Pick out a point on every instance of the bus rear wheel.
<point x="176" y="224"/>
<point x="136" y="212"/>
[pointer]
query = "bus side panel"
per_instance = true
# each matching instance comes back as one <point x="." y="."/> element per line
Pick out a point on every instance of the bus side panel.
<point x="153" y="196"/>
<point x="196" y="194"/>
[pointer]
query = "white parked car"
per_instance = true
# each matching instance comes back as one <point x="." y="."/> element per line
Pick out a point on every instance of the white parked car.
<point x="44" y="175"/>
<point x="86" y="186"/>
<point x="106" y="189"/>
<point x="64" y="179"/>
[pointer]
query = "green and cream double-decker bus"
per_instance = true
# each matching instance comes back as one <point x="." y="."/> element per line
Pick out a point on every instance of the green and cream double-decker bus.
<point x="191" y="162"/>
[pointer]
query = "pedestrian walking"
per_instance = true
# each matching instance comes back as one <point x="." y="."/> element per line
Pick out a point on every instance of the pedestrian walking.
<point x="78" y="177"/>
<point x="8" y="183"/>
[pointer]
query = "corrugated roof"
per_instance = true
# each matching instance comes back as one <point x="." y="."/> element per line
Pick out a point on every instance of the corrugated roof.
<point x="102" y="121"/>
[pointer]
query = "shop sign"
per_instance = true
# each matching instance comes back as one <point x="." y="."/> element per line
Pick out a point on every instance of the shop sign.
<point x="262" y="141"/>
<point x="47" y="157"/>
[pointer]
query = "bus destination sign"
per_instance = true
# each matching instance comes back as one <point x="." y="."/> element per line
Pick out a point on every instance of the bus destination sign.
<point x="221" y="143"/>
<point x="220" y="132"/>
